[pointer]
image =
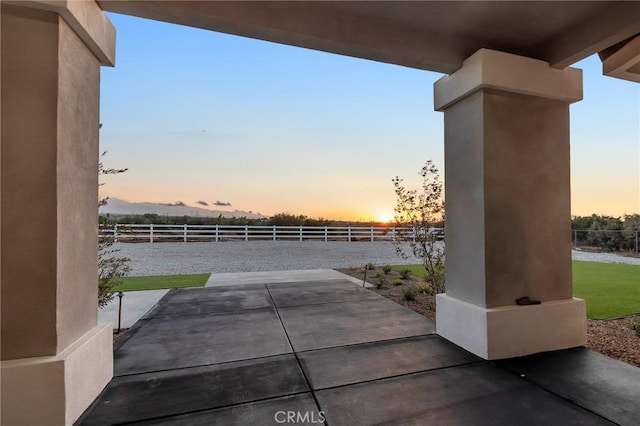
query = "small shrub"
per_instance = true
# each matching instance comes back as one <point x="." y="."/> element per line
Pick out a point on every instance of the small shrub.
<point x="424" y="288"/>
<point x="397" y="281"/>
<point x="382" y="280"/>
<point x="405" y="273"/>
<point x="409" y="293"/>
<point x="371" y="266"/>
<point x="635" y="326"/>
<point x="386" y="269"/>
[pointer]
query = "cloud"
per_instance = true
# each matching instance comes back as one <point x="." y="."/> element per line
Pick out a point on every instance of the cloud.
<point x="222" y="203"/>
<point x="176" y="204"/>
<point x="202" y="203"/>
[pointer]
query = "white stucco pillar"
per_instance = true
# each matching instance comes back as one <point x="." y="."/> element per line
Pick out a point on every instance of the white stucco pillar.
<point x="55" y="357"/>
<point x="508" y="218"/>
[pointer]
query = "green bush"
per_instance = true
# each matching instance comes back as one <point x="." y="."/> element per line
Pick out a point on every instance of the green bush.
<point x="381" y="280"/>
<point x="371" y="266"/>
<point x="386" y="269"/>
<point x="397" y="281"/>
<point x="405" y="273"/>
<point x="423" y="288"/>
<point x="409" y="293"/>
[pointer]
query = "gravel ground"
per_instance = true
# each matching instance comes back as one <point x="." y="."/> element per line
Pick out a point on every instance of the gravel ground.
<point x="254" y="256"/>
<point x="615" y="338"/>
<point x="604" y="257"/>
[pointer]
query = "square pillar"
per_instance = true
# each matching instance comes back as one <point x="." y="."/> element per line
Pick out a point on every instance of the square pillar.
<point x="55" y="357"/>
<point x="508" y="217"/>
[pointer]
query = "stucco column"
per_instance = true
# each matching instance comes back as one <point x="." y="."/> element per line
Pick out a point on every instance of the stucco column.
<point x="507" y="192"/>
<point x="55" y="357"/>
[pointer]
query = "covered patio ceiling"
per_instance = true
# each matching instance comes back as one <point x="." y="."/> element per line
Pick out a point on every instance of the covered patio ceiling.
<point x="434" y="36"/>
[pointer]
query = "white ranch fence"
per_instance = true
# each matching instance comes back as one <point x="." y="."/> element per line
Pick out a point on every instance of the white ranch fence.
<point x="153" y="233"/>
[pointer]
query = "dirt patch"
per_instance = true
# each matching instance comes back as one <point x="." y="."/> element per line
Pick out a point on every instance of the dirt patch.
<point x="614" y="338"/>
<point x="424" y="304"/>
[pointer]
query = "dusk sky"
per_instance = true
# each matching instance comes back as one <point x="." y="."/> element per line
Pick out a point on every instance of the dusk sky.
<point x="199" y="115"/>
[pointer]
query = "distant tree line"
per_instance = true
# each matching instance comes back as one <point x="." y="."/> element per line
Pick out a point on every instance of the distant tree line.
<point x="607" y="232"/>
<point x="279" y="219"/>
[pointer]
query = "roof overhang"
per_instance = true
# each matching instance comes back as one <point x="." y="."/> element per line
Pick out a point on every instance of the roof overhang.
<point x="435" y="36"/>
<point x="623" y="61"/>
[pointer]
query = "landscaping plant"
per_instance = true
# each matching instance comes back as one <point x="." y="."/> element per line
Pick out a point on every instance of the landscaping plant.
<point x="405" y="273"/>
<point x="409" y="293"/>
<point x="110" y="266"/>
<point x="423" y="288"/>
<point x="417" y="215"/>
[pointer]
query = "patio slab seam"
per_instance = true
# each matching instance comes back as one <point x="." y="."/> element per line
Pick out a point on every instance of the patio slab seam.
<point x="204" y="410"/>
<point x="595" y="375"/>
<point x="397" y="376"/>
<point x="490" y="384"/>
<point x="555" y="394"/>
<point x="138" y="373"/>
<point x="242" y="412"/>
<point x="200" y="314"/>
<point x="303" y="351"/>
<point x="295" y="354"/>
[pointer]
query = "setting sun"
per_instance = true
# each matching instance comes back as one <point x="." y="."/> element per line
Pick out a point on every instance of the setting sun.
<point x="385" y="217"/>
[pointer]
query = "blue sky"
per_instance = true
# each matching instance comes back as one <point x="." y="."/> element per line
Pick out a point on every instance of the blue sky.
<point x="198" y="115"/>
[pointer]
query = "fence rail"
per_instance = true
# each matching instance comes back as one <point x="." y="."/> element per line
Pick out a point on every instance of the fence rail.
<point x="608" y="239"/>
<point x="153" y="233"/>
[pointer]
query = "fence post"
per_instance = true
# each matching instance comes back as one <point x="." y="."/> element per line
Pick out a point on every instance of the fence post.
<point x="326" y="234"/>
<point x="349" y="233"/>
<point x="393" y="233"/>
<point x="246" y="232"/>
<point x="413" y="237"/>
<point x="115" y="233"/>
<point x="275" y="233"/>
<point x="216" y="233"/>
<point x="151" y="232"/>
<point x="184" y="233"/>
<point x="575" y="239"/>
<point x="300" y="232"/>
<point x="371" y="233"/>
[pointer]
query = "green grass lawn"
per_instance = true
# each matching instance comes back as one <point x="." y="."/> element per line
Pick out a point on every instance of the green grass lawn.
<point x="416" y="270"/>
<point x="610" y="289"/>
<point x="162" y="281"/>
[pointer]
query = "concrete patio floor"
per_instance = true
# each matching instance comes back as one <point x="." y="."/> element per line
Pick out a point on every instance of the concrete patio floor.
<point x="249" y="354"/>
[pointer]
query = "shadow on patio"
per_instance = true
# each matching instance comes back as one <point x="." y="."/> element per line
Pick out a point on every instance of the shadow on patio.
<point x="308" y="351"/>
